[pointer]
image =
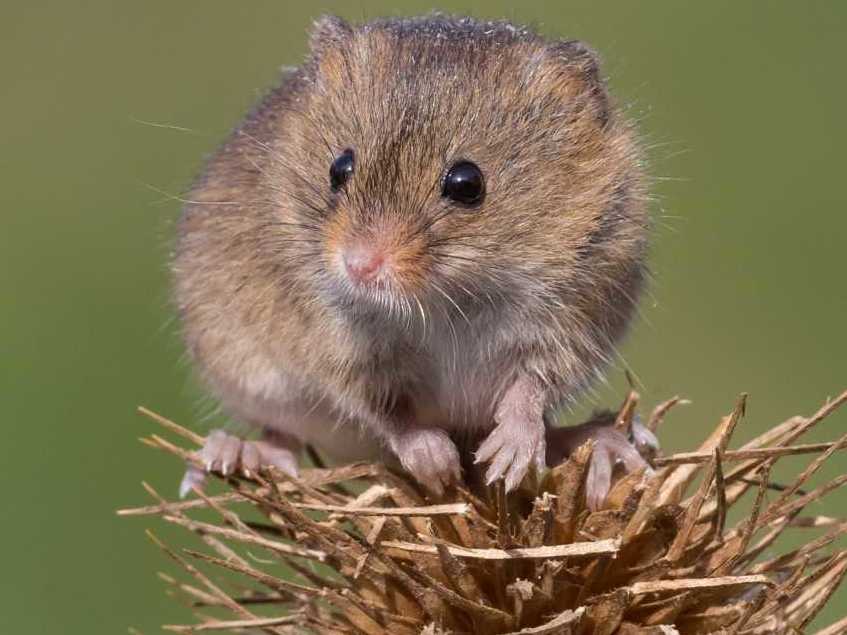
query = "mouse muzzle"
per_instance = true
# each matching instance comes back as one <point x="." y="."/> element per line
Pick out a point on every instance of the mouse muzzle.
<point x="363" y="263"/>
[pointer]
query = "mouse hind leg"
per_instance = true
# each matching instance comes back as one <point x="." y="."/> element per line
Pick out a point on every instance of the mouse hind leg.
<point x="226" y="454"/>
<point x="612" y="448"/>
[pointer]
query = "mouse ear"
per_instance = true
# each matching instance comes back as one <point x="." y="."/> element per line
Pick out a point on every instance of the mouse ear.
<point x="579" y="56"/>
<point x="328" y="31"/>
<point x="581" y="66"/>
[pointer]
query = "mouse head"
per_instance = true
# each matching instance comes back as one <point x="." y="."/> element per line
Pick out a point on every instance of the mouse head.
<point x="447" y="164"/>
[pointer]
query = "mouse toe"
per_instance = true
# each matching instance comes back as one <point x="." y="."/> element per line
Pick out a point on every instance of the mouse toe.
<point x="515" y="446"/>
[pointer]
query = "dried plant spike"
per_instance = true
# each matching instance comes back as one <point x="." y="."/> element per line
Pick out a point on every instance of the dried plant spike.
<point x="838" y="628"/>
<point x="185" y="433"/>
<point x="660" y="412"/>
<point x="232" y="625"/>
<point x="680" y="478"/>
<point x="743" y="455"/>
<point x="360" y="550"/>
<point x="623" y="421"/>
<point x="573" y="550"/>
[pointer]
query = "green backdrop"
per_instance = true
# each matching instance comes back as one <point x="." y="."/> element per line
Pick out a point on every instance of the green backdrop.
<point x="742" y="103"/>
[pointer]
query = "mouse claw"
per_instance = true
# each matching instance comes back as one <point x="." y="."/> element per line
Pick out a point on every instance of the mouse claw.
<point x="227" y="454"/>
<point x="212" y="452"/>
<point x="430" y="456"/>
<point x="645" y="441"/>
<point x="513" y="448"/>
<point x="251" y="460"/>
<point x="611" y="448"/>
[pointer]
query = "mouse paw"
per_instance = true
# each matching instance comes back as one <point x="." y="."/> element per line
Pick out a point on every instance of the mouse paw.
<point x="429" y="456"/>
<point x="513" y="447"/>
<point x="611" y="448"/>
<point x="227" y="454"/>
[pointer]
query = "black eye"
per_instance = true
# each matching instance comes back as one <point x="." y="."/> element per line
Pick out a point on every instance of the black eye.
<point x="464" y="183"/>
<point x="341" y="169"/>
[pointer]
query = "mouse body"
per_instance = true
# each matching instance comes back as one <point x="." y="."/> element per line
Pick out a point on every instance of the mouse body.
<point x="427" y="238"/>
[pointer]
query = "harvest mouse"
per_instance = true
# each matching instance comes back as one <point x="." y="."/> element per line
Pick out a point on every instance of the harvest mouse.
<point x="431" y="234"/>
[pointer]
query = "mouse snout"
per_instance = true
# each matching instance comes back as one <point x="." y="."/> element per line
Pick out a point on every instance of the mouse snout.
<point x="363" y="263"/>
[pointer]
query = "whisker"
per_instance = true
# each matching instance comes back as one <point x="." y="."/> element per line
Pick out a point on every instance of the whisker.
<point x="166" y="126"/>
<point x="450" y="300"/>
<point x="186" y="201"/>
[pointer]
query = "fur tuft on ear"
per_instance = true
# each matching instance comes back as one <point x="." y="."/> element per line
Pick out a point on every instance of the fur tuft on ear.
<point x="327" y="31"/>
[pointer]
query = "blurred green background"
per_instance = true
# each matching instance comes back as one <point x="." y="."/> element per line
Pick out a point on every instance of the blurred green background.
<point x="743" y="105"/>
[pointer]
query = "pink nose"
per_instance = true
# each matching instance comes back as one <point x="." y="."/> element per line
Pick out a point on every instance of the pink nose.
<point x="363" y="264"/>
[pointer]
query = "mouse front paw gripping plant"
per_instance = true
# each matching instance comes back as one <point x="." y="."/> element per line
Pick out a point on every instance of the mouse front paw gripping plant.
<point x="360" y="549"/>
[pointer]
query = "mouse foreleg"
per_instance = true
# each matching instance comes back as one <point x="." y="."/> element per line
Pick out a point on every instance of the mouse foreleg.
<point x="427" y="453"/>
<point x="517" y="442"/>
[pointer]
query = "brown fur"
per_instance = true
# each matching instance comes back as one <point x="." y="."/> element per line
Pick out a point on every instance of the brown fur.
<point x="540" y="280"/>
